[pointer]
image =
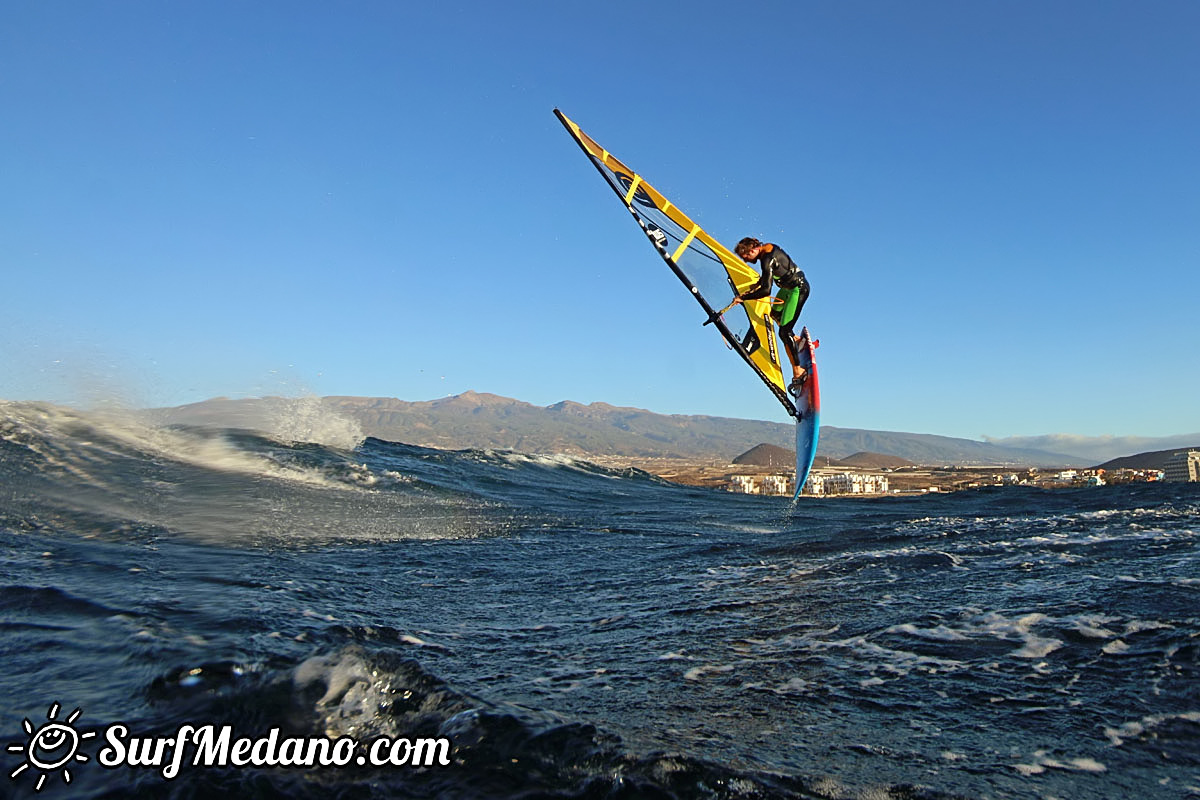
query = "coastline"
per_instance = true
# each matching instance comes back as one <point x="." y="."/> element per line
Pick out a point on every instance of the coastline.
<point x="909" y="480"/>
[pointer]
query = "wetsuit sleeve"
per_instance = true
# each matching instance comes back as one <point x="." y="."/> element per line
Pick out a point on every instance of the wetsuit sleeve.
<point x="763" y="287"/>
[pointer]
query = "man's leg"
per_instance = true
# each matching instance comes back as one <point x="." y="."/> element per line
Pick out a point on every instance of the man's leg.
<point x="788" y="314"/>
<point x="801" y="296"/>
<point x="793" y="352"/>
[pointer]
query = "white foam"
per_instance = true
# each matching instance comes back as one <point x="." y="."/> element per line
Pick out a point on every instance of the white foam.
<point x="1042" y="762"/>
<point x="1034" y="646"/>
<point x="1090" y="626"/>
<point x="419" y="642"/>
<point x="310" y="419"/>
<point x="992" y="624"/>
<point x="793" y="686"/>
<point x="1130" y="730"/>
<point x="354" y="692"/>
<point x="71" y="440"/>
<point x="941" y="633"/>
<point x="698" y="673"/>
<point x="899" y="662"/>
<point x="513" y="459"/>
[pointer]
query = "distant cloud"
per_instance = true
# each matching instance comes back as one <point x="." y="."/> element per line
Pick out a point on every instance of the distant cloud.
<point x="1097" y="449"/>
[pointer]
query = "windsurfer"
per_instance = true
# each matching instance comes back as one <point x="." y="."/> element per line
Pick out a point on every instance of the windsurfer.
<point x="778" y="266"/>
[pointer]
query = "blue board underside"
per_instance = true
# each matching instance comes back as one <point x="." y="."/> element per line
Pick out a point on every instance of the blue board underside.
<point x="808" y="421"/>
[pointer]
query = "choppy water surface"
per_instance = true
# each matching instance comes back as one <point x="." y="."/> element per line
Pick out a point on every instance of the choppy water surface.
<point x="581" y="632"/>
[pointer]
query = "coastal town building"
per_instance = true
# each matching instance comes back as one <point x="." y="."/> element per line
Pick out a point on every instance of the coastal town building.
<point x="1126" y="475"/>
<point x="780" y="485"/>
<point x="743" y="484"/>
<point x="847" y="483"/>
<point x="818" y="485"/>
<point x="1183" y="467"/>
<point x="913" y="480"/>
<point x="777" y="484"/>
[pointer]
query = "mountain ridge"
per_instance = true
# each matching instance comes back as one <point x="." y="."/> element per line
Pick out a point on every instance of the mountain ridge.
<point x="1156" y="459"/>
<point x="476" y="420"/>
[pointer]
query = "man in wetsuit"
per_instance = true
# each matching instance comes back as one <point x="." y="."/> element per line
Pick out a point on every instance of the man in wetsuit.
<point x="777" y="266"/>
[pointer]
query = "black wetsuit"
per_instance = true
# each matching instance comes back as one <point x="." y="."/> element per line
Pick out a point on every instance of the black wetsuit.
<point x="778" y="266"/>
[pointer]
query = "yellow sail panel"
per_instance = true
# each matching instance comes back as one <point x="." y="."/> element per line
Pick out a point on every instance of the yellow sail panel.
<point x="712" y="272"/>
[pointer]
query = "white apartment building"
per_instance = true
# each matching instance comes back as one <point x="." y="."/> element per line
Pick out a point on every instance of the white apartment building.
<point x="743" y="484"/>
<point x="817" y="485"/>
<point x="776" y="484"/>
<point x="846" y="483"/>
<point x="1183" y="467"/>
<point x="766" y="484"/>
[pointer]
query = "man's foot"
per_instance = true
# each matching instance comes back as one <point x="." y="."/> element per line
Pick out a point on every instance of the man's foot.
<point x="801" y="341"/>
<point x="798" y="382"/>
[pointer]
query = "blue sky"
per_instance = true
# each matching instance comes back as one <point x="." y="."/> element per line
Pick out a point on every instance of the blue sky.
<point x="997" y="204"/>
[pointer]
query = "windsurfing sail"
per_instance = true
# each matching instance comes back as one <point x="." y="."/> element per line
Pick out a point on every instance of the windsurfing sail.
<point x="712" y="272"/>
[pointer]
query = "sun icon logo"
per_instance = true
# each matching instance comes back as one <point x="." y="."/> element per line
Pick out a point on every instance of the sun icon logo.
<point x="51" y="747"/>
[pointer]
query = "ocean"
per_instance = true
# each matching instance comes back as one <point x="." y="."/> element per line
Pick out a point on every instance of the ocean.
<point x="554" y="629"/>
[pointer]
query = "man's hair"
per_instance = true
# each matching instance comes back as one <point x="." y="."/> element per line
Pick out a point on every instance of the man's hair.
<point x="746" y="245"/>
